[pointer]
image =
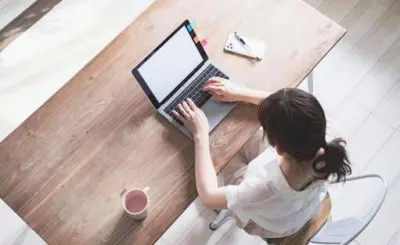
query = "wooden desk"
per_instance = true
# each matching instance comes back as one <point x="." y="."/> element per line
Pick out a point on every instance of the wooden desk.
<point x="64" y="168"/>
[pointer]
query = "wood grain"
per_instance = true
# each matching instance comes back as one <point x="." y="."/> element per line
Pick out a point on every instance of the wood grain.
<point x="64" y="168"/>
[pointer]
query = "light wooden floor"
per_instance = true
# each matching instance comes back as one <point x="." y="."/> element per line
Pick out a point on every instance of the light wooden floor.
<point x="358" y="84"/>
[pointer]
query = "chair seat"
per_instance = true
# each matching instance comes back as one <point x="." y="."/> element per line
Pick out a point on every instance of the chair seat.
<point x="303" y="236"/>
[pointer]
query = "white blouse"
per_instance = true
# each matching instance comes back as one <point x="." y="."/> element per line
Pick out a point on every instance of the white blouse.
<point x="265" y="197"/>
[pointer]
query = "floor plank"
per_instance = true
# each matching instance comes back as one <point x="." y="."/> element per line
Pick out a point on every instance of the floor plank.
<point x="395" y="239"/>
<point x="340" y="81"/>
<point x="182" y="225"/>
<point x="222" y="232"/>
<point x="337" y="9"/>
<point x="349" y="116"/>
<point x="389" y="111"/>
<point x="314" y="3"/>
<point x="383" y="76"/>
<point x="385" y="162"/>
<point x="387" y="2"/>
<point x="237" y="236"/>
<point x="25" y="20"/>
<point x="199" y="233"/>
<point x="396" y="6"/>
<point x="10" y="9"/>
<point x="162" y="241"/>
<point x="362" y="150"/>
<point x="366" y="142"/>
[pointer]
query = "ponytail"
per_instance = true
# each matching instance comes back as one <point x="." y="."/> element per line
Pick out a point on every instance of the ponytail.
<point x="336" y="161"/>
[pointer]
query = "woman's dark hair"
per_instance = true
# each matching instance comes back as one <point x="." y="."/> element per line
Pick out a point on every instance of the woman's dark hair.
<point x="295" y="122"/>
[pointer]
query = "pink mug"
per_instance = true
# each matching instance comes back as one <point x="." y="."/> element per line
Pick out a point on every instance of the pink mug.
<point x="136" y="202"/>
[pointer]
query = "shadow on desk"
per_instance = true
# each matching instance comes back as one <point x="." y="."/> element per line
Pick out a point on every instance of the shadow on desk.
<point x="171" y="134"/>
<point x="122" y="230"/>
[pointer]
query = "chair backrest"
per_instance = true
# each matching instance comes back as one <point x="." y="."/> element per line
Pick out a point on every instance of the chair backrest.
<point x="346" y="230"/>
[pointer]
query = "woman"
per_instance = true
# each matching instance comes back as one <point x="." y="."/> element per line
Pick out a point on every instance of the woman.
<point x="282" y="185"/>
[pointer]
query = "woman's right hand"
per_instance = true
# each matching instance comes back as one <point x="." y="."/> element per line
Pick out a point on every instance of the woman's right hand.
<point x="223" y="89"/>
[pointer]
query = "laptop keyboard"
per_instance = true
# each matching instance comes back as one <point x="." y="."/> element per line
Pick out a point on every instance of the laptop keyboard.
<point x="194" y="91"/>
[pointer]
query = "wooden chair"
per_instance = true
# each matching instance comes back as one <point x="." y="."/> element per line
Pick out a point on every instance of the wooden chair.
<point x="320" y="229"/>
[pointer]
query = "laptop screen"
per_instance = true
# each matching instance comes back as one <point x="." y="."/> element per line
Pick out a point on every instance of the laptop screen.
<point x="165" y="69"/>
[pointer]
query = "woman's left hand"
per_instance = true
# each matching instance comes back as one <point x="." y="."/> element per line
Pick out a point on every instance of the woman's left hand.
<point x="193" y="117"/>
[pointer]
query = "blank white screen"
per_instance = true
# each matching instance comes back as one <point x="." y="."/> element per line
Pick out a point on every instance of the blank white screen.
<point x="166" y="68"/>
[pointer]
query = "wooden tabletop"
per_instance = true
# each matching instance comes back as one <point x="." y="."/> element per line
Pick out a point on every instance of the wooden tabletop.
<point x="64" y="168"/>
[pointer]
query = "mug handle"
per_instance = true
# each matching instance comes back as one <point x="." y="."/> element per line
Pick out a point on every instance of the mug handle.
<point x="146" y="189"/>
<point x="123" y="192"/>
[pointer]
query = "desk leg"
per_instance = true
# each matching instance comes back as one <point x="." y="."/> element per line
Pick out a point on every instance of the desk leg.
<point x="310" y="82"/>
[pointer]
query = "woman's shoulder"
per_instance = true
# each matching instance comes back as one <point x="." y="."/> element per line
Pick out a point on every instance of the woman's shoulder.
<point x="264" y="165"/>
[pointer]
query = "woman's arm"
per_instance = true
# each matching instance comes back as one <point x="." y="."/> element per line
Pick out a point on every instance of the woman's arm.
<point x="252" y="96"/>
<point x="206" y="178"/>
<point x="224" y="90"/>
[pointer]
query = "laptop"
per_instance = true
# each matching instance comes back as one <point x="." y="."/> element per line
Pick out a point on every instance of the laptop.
<point x="177" y="69"/>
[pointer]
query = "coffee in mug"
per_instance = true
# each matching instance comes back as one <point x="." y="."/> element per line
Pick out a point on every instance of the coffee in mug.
<point x="135" y="202"/>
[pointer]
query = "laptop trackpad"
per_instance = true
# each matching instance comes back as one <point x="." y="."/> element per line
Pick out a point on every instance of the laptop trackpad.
<point x="216" y="111"/>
